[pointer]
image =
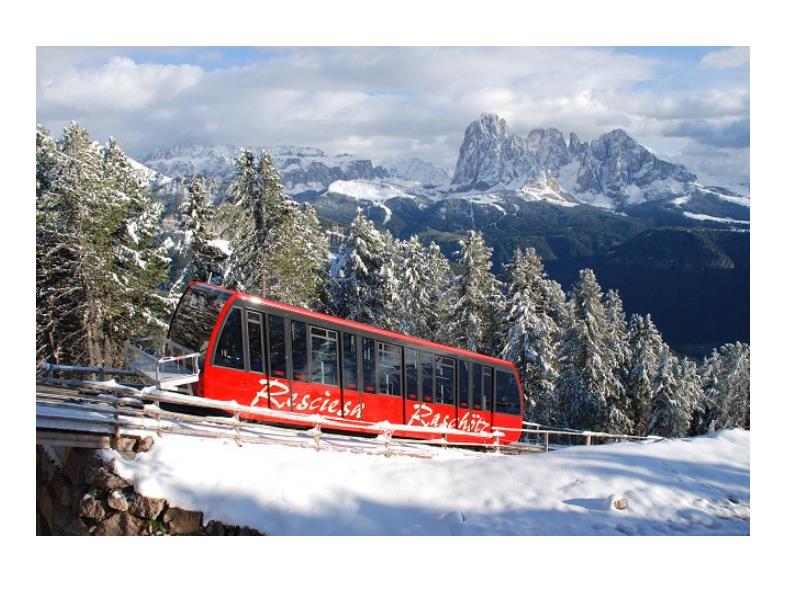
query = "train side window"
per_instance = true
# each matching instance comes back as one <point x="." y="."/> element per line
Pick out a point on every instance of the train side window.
<point x="324" y="356"/>
<point x="463" y="384"/>
<point x="389" y="369"/>
<point x="506" y="399"/>
<point x="412" y="376"/>
<point x="427" y="377"/>
<point x="488" y="387"/>
<point x="445" y="380"/>
<point x="368" y="359"/>
<point x="255" y="341"/>
<point x="299" y="352"/>
<point x="230" y="351"/>
<point x="350" y="356"/>
<point x="476" y="386"/>
<point x="277" y="347"/>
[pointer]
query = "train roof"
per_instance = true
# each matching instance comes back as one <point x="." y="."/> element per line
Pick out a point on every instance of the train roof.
<point x="356" y="325"/>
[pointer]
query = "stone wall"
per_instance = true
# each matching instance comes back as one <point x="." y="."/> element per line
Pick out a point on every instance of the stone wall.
<point x="79" y="493"/>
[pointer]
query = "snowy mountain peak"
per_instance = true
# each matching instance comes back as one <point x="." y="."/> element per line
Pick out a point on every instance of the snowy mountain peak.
<point x="612" y="171"/>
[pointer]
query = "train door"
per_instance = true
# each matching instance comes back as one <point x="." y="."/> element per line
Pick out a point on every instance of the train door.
<point x="474" y="411"/>
<point x="315" y="380"/>
<point x="352" y="407"/>
<point x="224" y="378"/>
<point x="382" y="381"/>
<point x="444" y="392"/>
<point x="256" y="388"/>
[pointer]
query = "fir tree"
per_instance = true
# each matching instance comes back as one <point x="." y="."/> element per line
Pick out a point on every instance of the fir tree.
<point x="671" y="412"/>
<point x="98" y="264"/>
<point x="586" y="361"/>
<point x="726" y="387"/>
<point x="647" y="349"/>
<point x="202" y="260"/>
<point x="278" y="249"/>
<point x="476" y="315"/>
<point x="618" y="409"/>
<point x="363" y="284"/>
<point x="531" y="336"/>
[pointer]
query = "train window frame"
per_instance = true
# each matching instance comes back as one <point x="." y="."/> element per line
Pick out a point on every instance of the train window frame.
<point x="249" y="362"/>
<point x="296" y="353"/>
<point x="368" y="367"/>
<point x="512" y="383"/>
<point x="415" y="365"/>
<point x="427" y="360"/>
<point x="490" y="370"/>
<point x="328" y="335"/>
<point x="441" y="362"/>
<point x="347" y="357"/>
<point x="383" y="350"/>
<point x="274" y="319"/>
<point x="463" y="385"/>
<point x="222" y="332"/>
<point x="476" y="385"/>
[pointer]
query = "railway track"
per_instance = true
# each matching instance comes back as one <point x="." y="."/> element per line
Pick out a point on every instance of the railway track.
<point x="103" y="414"/>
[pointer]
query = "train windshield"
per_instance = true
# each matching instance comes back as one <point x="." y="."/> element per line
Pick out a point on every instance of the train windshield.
<point x="196" y="315"/>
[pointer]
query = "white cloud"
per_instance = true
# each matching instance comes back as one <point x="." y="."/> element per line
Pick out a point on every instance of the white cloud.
<point x="727" y="59"/>
<point x="119" y="84"/>
<point x="375" y="102"/>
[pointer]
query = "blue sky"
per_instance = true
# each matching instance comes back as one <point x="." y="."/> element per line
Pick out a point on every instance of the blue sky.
<point x="687" y="103"/>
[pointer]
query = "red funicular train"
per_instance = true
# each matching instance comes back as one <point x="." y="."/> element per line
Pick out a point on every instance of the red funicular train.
<point x="259" y="352"/>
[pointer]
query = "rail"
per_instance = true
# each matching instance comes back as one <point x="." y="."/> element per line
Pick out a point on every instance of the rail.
<point x="123" y="410"/>
<point x="162" y="361"/>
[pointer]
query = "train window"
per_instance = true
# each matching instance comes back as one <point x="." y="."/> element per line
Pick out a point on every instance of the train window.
<point x="196" y="316"/>
<point x="277" y="347"/>
<point x="445" y="380"/>
<point x="463" y="384"/>
<point x="299" y="352"/>
<point x="476" y="386"/>
<point x="350" y="356"/>
<point x="229" y="347"/>
<point x="389" y="369"/>
<point x="488" y="387"/>
<point x="255" y="340"/>
<point x="412" y="367"/>
<point x="506" y="399"/>
<point x="368" y="359"/>
<point x="324" y="356"/>
<point x="427" y="377"/>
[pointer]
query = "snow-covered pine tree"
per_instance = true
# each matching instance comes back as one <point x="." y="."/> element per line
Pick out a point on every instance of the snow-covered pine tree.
<point x="647" y="349"/>
<point x="726" y="385"/>
<point x="138" y="263"/>
<point x="671" y="414"/>
<point x="297" y="251"/>
<point x="531" y="336"/>
<point x="278" y="249"/>
<point x="98" y="265"/>
<point x="478" y="299"/>
<point x="202" y="260"/>
<point x="422" y="274"/>
<point x="413" y="315"/>
<point x="361" y="286"/>
<point x="439" y="282"/>
<point x="587" y="366"/>
<point x="61" y="298"/>
<point x="617" y="418"/>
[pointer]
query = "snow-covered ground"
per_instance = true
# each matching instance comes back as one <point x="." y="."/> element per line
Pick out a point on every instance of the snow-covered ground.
<point x="690" y="486"/>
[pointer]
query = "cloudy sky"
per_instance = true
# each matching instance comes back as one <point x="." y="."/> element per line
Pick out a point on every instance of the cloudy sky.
<point x="687" y="103"/>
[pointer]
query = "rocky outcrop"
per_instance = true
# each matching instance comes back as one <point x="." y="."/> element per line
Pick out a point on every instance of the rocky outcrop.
<point x="612" y="171"/>
<point x="79" y="493"/>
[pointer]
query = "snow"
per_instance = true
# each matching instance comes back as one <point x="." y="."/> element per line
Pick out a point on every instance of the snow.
<point x="223" y="245"/>
<point x="687" y="486"/>
<point x="699" y="217"/>
<point x="376" y="191"/>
